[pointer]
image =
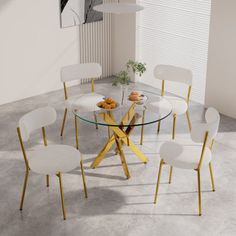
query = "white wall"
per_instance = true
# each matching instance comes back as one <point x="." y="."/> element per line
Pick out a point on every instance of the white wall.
<point x="221" y="75"/>
<point x="123" y="39"/>
<point x="33" y="48"/>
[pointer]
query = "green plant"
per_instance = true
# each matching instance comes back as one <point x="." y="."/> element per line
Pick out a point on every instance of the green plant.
<point x="123" y="77"/>
<point x="137" y="67"/>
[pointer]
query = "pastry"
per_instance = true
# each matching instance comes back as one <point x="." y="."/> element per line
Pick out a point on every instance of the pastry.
<point x="108" y="103"/>
<point x="135" y="93"/>
<point x="100" y="104"/>
<point x="107" y="106"/>
<point x="134" y="98"/>
<point x="109" y="100"/>
<point x="113" y="105"/>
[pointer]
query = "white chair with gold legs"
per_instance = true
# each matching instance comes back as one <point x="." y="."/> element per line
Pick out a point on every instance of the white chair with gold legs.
<point x="85" y="101"/>
<point x="179" y="105"/>
<point x="50" y="159"/>
<point x="192" y="157"/>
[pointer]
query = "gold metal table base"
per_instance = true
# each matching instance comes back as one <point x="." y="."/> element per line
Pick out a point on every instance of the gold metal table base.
<point x="120" y="137"/>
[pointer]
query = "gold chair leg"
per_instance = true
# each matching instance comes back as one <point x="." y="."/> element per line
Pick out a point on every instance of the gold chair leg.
<point x="142" y="132"/>
<point x="158" y="181"/>
<point x="170" y="175"/>
<point x="174" y="125"/>
<point x="47" y="180"/>
<point x="158" y="127"/>
<point x="63" y="122"/>
<point x="76" y="134"/>
<point x="62" y="196"/>
<point x="142" y="128"/>
<point x="199" y="193"/>
<point x="189" y="122"/>
<point x="83" y="178"/>
<point x="95" y="119"/>
<point x="212" y="178"/>
<point x="24" y="188"/>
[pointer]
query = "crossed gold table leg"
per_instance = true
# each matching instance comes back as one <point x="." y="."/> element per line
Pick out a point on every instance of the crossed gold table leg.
<point x="122" y="157"/>
<point x="120" y="137"/>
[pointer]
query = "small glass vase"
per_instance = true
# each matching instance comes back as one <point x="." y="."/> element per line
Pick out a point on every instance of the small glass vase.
<point x="124" y="91"/>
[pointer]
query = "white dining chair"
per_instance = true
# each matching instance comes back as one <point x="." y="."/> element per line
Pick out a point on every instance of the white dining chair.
<point x="85" y="102"/>
<point x="179" y="105"/>
<point x="195" y="156"/>
<point x="49" y="159"/>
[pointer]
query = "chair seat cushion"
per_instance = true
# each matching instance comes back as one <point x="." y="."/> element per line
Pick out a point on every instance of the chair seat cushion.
<point x="184" y="156"/>
<point x="53" y="159"/>
<point x="84" y="102"/>
<point x="160" y="105"/>
<point x="179" y="105"/>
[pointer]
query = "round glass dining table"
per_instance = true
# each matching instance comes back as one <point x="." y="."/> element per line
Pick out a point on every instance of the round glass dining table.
<point x="122" y="120"/>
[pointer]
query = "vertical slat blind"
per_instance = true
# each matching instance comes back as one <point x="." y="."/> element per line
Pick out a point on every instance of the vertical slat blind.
<point x="95" y="43"/>
<point x="175" y="32"/>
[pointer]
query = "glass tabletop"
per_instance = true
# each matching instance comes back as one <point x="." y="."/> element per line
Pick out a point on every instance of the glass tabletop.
<point x="128" y="113"/>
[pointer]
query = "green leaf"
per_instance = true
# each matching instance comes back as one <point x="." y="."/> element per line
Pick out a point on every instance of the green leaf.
<point x="137" y="67"/>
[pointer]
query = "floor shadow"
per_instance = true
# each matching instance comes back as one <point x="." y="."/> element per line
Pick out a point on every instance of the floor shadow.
<point x="179" y="193"/>
<point x="128" y="185"/>
<point x="139" y="203"/>
<point x="100" y="201"/>
<point x="88" y="160"/>
<point x="155" y="214"/>
<point x="115" y="165"/>
<point x="172" y="193"/>
<point x="98" y="175"/>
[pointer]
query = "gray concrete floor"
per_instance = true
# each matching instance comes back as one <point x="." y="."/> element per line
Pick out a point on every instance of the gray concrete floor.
<point x="115" y="206"/>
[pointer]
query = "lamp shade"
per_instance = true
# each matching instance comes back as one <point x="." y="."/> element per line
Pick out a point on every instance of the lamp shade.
<point x="118" y="8"/>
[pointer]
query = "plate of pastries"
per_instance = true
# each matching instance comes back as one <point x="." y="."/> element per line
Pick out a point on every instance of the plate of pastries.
<point x="137" y="97"/>
<point x="108" y="104"/>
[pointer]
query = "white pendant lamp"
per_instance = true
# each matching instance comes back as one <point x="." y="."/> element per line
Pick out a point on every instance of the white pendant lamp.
<point x="118" y="8"/>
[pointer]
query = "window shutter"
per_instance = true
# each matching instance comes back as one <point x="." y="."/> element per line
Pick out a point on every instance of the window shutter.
<point x="174" y="32"/>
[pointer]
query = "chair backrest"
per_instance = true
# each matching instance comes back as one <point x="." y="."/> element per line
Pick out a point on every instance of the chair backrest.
<point x="81" y="71"/>
<point x="173" y="73"/>
<point x="198" y="132"/>
<point x="36" y="119"/>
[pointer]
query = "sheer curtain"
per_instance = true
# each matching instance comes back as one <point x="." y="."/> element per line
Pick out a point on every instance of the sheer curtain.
<point x="174" y="32"/>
